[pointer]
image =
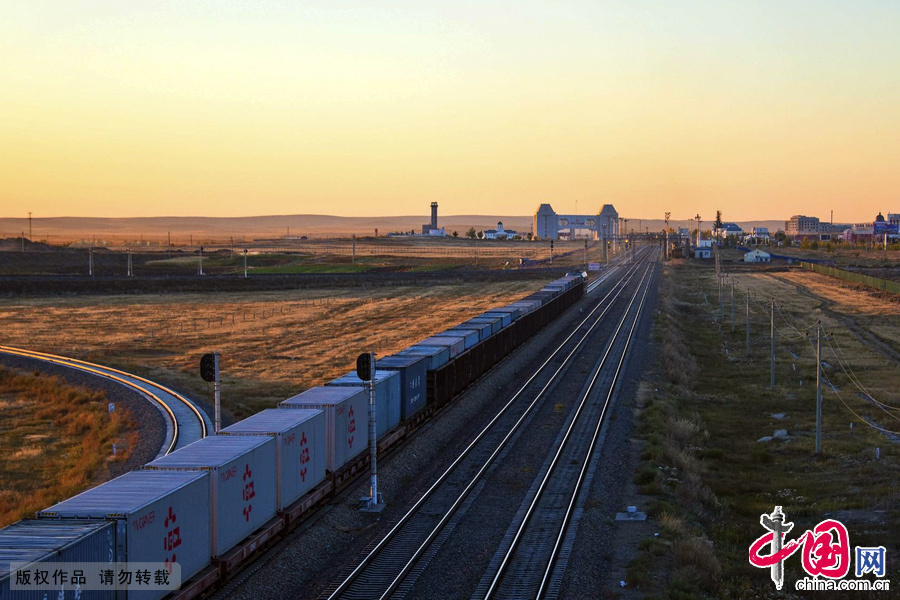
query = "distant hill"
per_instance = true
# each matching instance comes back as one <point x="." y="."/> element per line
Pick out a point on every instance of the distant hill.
<point x="63" y="229"/>
<point x="57" y="230"/>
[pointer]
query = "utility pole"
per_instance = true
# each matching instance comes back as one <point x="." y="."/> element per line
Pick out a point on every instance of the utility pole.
<point x="722" y="297"/>
<point x="353" y="248"/>
<point x="585" y="255"/>
<point x="91" y="261"/>
<point x="201" y="260"/>
<point x="23" y="241"/>
<point x="819" y="387"/>
<point x="29" y="226"/>
<point x="732" y="305"/>
<point x="666" y="241"/>
<point x="245" y="263"/>
<point x="604" y="242"/>
<point x="130" y="272"/>
<point x="618" y="246"/>
<point x="748" y="321"/>
<point x="772" y="339"/>
<point x="698" y="229"/>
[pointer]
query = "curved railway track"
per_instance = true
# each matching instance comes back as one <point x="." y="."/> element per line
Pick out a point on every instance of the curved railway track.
<point x="404" y="551"/>
<point x="185" y="422"/>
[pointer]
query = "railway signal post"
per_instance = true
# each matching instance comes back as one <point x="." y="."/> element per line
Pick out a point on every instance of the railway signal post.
<point x="209" y="371"/>
<point x="365" y="370"/>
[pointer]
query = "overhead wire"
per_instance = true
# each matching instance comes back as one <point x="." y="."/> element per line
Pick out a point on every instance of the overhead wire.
<point x="855" y="380"/>
<point x="803" y="333"/>
<point x="836" y="391"/>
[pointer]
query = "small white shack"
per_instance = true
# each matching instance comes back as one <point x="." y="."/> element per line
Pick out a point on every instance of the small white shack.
<point x="703" y="249"/>
<point x="757" y="256"/>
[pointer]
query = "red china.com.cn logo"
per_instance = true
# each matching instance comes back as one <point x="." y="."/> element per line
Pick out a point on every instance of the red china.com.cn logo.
<point x="825" y="556"/>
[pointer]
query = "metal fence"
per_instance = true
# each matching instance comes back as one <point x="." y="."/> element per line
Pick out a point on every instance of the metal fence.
<point x="867" y="280"/>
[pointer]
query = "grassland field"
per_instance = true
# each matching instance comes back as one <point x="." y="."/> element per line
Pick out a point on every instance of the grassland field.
<point x="55" y="440"/>
<point x="704" y="476"/>
<point x="383" y="255"/>
<point x="273" y="344"/>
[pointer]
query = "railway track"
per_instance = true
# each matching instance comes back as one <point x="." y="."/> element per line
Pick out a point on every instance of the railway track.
<point x="185" y="422"/>
<point x="391" y="564"/>
<point x="526" y="565"/>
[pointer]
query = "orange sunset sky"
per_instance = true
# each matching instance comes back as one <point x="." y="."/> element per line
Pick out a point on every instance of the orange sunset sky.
<point x="143" y="108"/>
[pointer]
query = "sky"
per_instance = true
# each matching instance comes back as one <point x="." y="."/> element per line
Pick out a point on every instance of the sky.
<point x="760" y="109"/>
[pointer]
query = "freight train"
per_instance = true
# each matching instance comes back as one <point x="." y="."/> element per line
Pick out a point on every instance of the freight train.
<point x="205" y="509"/>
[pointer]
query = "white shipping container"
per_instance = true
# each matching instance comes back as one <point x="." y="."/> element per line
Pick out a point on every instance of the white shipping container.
<point x="299" y="445"/>
<point x="388" y="391"/>
<point x="241" y="483"/>
<point x="346" y="420"/>
<point x="150" y="507"/>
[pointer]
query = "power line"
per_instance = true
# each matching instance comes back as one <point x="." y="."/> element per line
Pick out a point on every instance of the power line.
<point x="855" y="380"/>
<point x="802" y="333"/>
<point x="837" y="393"/>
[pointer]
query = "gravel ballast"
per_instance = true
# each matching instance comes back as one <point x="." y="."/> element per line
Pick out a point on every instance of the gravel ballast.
<point x="313" y="555"/>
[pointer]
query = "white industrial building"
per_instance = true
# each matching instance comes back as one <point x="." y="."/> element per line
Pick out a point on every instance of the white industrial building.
<point x="550" y="226"/>
<point x="757" y="256"/>
<point x="499" y="233"/>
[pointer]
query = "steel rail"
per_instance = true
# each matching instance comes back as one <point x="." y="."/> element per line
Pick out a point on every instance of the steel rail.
<point x="107" y="372"/>
<point x="570" y="509"/>
<point x="342" y="587"/>
<point x="532" y="507"/>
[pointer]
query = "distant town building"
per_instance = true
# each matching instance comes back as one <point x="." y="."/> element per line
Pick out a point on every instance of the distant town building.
<point x="499" y="233"/>
<point x="760" y="233"/>
<point x="757" y="256"/>
<point x="549" y="225"/>
<point x="703" y="249"/>
<point x="877" y="231"/>
<point x="730" y="229"/>
<point x="800" y="227"/>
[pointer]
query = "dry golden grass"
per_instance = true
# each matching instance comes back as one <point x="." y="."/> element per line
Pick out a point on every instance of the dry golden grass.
<point x="56" y="439"/>
<point x="847" y="298"/>
<point x="273" y="343"/>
